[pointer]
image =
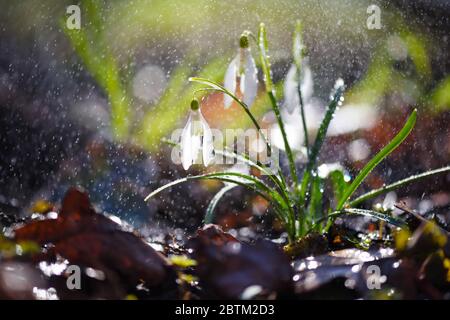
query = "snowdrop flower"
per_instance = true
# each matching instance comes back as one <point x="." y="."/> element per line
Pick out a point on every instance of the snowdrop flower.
<point x="299" y="71"/>
<point x="291" y="95"/>
<point x="196" y="139"/>
<point x="242" y="67"/>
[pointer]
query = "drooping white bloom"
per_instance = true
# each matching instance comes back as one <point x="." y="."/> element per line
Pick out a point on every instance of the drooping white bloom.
<point x="299" y="72"/>
<point x="196" y="140"/>
<point x="291" y="95"/>
<point x="242" y="68"/>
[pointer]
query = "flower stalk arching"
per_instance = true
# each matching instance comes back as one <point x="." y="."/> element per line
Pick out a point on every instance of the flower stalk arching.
<point x="215" y="86"/>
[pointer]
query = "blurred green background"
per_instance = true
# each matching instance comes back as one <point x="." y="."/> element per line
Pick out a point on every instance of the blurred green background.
<point x="199" y="37"/>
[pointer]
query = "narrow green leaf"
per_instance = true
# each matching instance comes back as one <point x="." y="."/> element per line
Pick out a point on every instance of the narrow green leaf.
<point x="315" y="205"/>
<point x="395" y="185"/>
<point x="263" y="51"/>
<point x="395" y="142"/>
<point x="281" y="207"/>
<point x="209" y="215"/>
<point x="247" y="181"/>
<point x="314" y="152"/>
<point x="338" y="182"/>
<point x="368" y="213"/>
<point x="298" y="51"/>
<point x="278" y="180"/>
<point x="90" y="46"/>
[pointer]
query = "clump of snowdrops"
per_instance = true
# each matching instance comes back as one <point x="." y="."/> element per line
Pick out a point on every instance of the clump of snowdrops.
<point x="295" y="197"/>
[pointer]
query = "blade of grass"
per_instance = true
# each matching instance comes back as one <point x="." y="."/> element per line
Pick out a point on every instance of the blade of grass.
<point x="315" y="206"/>
<point x="278" y="181"/>
<point x="264" y="59"/>
<point x="209" y="215"/>
<point x="320" y="139"/>
<point x="90" y="46"/>
<point x="314" y="154"/>
<point x="395" y="185"/>
<point x="363" y="212"/>
<point x="251" y="183"/>
<point x="339" y="183"/>
<point x="395" y="142"/>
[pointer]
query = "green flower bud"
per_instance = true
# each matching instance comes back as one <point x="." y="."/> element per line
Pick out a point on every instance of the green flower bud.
<point x="243" y="41"/>
<point x="195" y="105"/>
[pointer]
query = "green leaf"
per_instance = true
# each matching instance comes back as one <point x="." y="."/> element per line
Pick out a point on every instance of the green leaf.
<point x="417" y="50"/>
<point x="245" y="180"/>
<point x="315" y="205"/>
<point x="298" y="50"/>
<point x="278" y="180"/>
<point x="209" y="215"/>
<point x="314" y="153"/>
<point x="440" y="97"/>
<point x="90" y="46"/>
<point x="337" y="178"/>
<point x="265" y="170"/>
<point x="395" y="185"/>
<point x="395" y="142"/>
<point x="282" y="208"/>
<point x="368" y="213"/>
<point x="324" y="126"/>
<point x="263" y="52"/>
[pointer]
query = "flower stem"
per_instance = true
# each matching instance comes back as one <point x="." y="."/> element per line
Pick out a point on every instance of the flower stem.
<point x="265" y="64"/>
<point x="287" y="147"/>
<point x="302" y="113"/>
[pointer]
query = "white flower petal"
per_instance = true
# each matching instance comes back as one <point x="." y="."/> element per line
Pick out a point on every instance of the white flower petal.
<point x="186" y="145"/>
<point x="249" y="80"/>
<point x="307" y="84"/>
<point x="291" y="100"/>
<point x="230" y="80"/>
<point x="290" y="86"/>
<point x="207" y="144"/>
<point x="197" y="136"/>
